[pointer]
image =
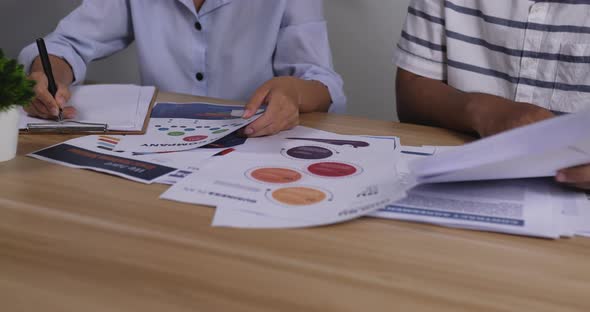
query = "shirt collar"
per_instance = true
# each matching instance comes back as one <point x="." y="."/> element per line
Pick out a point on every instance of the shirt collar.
<point x="208" y="7"/>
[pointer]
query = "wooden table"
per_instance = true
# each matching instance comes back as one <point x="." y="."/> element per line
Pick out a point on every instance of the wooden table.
<point x="75" y="240"/>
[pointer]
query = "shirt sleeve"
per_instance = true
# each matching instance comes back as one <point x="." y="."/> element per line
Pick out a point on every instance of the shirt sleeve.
<point x="303" y="49"/>
<point x="94" y="30"/>
<point x="422" y="46"/>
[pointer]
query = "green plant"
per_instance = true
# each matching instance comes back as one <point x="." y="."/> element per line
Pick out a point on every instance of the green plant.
<point x="15" y="88"/>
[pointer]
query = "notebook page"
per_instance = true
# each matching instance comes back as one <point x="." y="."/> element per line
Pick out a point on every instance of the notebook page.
<point x="121" y="107"/>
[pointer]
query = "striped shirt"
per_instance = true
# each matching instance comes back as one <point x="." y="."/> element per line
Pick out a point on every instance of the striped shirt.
<point x="534" y="51"/>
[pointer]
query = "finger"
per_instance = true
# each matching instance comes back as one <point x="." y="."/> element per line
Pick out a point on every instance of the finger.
<point x="62" y="96"/>
<point x="292" y="123"/>
<point x="70" y="112"/>
<point x="575" y="175"/>
<point x="272" y="113"/>
<point x="45" y="98"/>
<point x="31" y="110"/>
<point x="582" y="186"/>
<point x="259" y="98"/>
<point x="282" y="122"/>
<point x="39" y="110"/>
<point x="270" y="129"/>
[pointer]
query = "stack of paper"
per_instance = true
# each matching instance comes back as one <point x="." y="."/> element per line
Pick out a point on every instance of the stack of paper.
<point x="306" y="177"/>
<point x="534" y="207"/>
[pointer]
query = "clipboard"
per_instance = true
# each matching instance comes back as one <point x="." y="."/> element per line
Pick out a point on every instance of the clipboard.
<point x="78" y="127"/>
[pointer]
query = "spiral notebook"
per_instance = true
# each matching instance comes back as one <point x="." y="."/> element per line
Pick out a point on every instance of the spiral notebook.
<point x="114" y="109"/>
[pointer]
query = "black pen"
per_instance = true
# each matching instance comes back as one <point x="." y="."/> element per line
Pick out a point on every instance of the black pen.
<point x="52" y="87"/>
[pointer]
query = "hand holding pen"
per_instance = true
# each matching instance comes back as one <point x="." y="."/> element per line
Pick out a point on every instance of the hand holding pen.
<point x="51" y="94"/>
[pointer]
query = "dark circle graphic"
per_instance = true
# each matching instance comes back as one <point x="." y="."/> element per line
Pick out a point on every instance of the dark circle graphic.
<point x="310" y="152"/>
<point x="332" y="169"/>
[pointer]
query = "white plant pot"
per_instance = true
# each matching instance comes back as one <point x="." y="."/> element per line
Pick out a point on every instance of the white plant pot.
<point x="8" y="134"/>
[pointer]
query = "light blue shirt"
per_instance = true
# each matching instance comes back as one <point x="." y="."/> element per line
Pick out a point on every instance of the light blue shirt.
<point x="240" y="45"/>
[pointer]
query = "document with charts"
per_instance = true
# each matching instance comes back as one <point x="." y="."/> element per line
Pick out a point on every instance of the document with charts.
<point x="303" y="177"/>
<point x="97" y="153"/>
<point x="533" y="207"/>
<point x="175" y="127"/>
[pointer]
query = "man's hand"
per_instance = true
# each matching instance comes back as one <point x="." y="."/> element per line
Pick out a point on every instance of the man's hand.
<point x="491" y="114"/>
<point x="283" y="99"/>
<point x="44" y="105"/>
<point x="578" y="177"/>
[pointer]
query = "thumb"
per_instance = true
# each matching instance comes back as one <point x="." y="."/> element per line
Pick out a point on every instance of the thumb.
<point x="256" y="101"/>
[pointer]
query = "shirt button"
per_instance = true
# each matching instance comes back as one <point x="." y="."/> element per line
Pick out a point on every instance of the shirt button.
<point x="198" y="26"/>
<point x="200" y="76"/>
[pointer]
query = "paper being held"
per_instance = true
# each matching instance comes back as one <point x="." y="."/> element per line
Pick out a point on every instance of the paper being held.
<point x="537" y="150"/>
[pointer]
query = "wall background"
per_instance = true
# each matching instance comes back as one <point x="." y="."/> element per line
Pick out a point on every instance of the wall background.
<point x="362" y="34"/>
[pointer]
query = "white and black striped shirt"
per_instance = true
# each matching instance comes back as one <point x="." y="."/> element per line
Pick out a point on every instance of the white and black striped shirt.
<point x="535" y="51"/>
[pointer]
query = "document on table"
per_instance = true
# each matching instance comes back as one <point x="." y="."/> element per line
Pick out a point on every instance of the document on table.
<point x="120" y="107"/>
<point x="300" y="178"/>
<point x="537" y="150"/>
<point x="534" y="207"/>
<point x="177" y="127"/>
<point x="96" y="153"/>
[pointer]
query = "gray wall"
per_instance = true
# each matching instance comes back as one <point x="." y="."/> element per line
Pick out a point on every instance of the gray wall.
<point x="362" y="34"/>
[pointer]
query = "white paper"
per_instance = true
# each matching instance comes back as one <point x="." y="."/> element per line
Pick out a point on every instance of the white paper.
<point x="177" y="127"/>
<point x="121" y="107"/>
<point x="535" y="207"/>
<point x="538" y="150"/>
<point x="307" y="181"/>
<point x="227" y="215"/>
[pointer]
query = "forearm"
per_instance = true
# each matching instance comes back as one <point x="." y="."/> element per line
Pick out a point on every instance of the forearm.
<point x="314" y="96"/>
<point x="62" y="71"/>
<point x="431" y="102"/>
<point x="426" y="101"/>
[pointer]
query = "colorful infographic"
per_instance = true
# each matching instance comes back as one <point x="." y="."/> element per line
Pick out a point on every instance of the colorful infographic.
<point x="177" y="127"/>
<point x="311" y="177"/>
<point x="107" y="142"/>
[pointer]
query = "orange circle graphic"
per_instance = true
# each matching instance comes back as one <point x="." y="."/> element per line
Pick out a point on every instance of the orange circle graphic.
<point x="299" y="196"/>
<point x="276" y="175"/>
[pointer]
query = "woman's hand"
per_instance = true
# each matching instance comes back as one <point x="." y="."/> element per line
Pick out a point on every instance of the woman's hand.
<point x="44" y="105"/>
<point x="282" y="113"/>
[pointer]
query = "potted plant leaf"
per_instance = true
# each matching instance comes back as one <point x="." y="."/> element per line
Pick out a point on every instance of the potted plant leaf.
<point x="15" y="91"/>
